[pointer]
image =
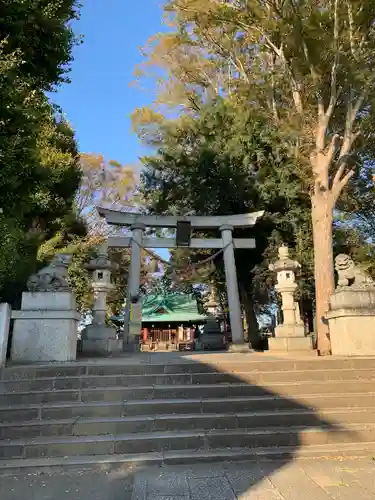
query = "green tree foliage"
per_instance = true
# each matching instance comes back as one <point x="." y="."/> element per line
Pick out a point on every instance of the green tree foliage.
<point x="35" y="49"/>
<point x="45" y="217"/>
<point x="40" y="32"/>
<point x="229" y="161"/>
<point x="39" y="169"/>
<point x="17" y="259"/>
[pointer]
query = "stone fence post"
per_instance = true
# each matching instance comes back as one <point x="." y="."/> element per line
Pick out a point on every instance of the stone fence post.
<point x="5" y="313"/>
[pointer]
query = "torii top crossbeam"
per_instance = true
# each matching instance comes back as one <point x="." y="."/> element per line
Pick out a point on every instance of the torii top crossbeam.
<point x="117" y="218"/>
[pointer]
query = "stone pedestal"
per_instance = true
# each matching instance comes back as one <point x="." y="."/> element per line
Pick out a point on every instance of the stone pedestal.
<point x="100" y="340"/>
<point x="290" y="344"/>
<point x="45" y="329"/>
<point x="212" y="337"/>
<point x="290" y="338"/>
<point x="239" y="348"/>
<point x="351" y="320"/>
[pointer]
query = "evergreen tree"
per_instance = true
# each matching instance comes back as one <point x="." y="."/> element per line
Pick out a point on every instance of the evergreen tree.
<point x="227" y="162"/>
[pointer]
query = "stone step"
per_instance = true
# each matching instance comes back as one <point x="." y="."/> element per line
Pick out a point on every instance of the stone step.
<point x="184" y="422"/>
<point x="129" y="462"/>
<point x="194" y="408"/>
<point x="90" y="381"/>
<point x="240" y="389"/>
<point x="124" y="462"/>
<point x="291" y="436"/>
<point x="173" y="365"/>
<point x="67" y="410"/>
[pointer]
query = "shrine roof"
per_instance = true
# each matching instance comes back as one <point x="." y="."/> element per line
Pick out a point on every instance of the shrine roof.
<point x="171" y="308"/>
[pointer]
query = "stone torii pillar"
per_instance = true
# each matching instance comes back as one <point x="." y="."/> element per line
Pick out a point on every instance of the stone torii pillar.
<point x="135" y="263"/>
<point x="133" y="320"/>
<point x="290" y="336"/>
<point x="232" y="289"/>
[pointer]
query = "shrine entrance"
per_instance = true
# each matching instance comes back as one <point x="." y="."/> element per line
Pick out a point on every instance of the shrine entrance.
<point x="184" y="226"/>
<point x="170" y="321"/>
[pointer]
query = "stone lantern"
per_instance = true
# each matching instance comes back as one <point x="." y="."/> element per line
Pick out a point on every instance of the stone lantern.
<point x="99" y="338"/>
<point x="211" y="303"/>
<point x="289" y="336"/>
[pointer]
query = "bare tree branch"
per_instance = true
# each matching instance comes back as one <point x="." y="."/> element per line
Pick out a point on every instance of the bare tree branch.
<point x="321" y="130"/>
<point x="353" y="48"/>
<point x="339" y="174"/>
<point x="236" y="61"/>
<point x="274" y="108"/>
<point x="336" y="190"/>
<point x="333" y="97"/>
<point x="332" y="148"/>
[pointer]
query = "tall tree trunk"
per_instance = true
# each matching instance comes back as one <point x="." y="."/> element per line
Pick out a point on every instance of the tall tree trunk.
<point x="322" y="220"/>
<point x="251" y="319"/>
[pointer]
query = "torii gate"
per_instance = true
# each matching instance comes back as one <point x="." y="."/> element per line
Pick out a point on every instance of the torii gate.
<point x="226" y="224"/>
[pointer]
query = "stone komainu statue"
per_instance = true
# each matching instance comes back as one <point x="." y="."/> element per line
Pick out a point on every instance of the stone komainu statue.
<point x="52" y="278"/>
<point x="349" y="274"/>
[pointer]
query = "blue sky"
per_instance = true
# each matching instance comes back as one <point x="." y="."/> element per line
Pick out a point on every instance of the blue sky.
<point x="99" y="101"/>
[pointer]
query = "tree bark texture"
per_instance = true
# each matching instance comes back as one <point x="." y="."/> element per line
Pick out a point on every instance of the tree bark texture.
<point x="322" y="220"/>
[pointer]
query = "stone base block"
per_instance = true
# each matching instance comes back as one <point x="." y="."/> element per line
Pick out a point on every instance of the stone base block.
<point x="132" y="344"/>
<point x="293" y="344"/>
<point x="239" y="348"/>
<point x="102" y="347"/>
<point x="48" y="301"/>
<point x="212" y="341"/>
<point x="40" y="336"/>
<point x="132" y="335"/>
<point x="289" y="331"/>
<point x="352" y="334"/>
<point x="99" y="332"/>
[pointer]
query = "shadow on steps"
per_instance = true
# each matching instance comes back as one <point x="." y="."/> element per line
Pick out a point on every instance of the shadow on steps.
<point x="122" y="414"/>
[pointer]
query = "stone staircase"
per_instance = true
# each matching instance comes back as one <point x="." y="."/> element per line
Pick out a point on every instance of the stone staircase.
<point x="179" y="409"/>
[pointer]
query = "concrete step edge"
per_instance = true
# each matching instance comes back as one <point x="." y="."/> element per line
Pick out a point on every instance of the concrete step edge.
<point x="172" y="401"/>
<point x="151" y="359"/>
<point x="202" y="416"/>
<point x="186" y="434"/>
<point x="196" y="386"/>
<point x="322" y="451"/>
<point x="258" y="366"/>
<point x="220" y="372"/>
<point x="79" y="461"/>
<point x="136" y="461"/>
